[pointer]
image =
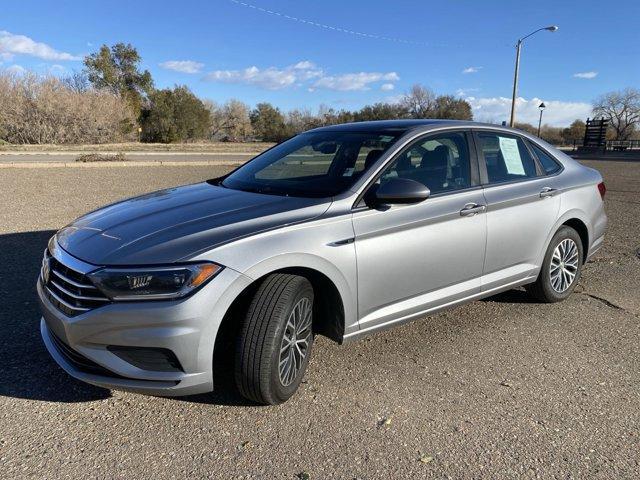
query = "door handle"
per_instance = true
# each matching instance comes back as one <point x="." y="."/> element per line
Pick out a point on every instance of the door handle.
<point x="548" y="192"/>
<point x="471" y="209"/>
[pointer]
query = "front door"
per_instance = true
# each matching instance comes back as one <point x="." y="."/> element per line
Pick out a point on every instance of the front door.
<point x="413" y="258"/>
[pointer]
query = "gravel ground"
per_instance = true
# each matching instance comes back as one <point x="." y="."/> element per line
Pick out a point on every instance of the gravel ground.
<point x="499" y="388"/>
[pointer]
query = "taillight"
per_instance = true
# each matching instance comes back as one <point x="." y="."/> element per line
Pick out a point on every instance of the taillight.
<point x="602" y="189"/>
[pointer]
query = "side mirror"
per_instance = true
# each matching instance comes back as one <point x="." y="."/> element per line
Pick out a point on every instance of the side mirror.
<point x="328" y="148"/>
<point x="401" y="190"/>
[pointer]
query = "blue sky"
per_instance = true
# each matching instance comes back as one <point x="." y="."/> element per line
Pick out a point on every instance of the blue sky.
<point x="227" y="49"/>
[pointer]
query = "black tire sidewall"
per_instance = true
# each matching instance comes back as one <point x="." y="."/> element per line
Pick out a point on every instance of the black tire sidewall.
<point x="275" y="387"/>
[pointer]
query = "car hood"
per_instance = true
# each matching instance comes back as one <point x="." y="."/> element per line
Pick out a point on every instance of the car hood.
<point x="178" y="223"/>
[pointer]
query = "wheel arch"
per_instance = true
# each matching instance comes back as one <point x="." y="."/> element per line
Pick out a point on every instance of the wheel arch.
<point x="331" y="291"/>
<point x="580" y="227"/>
<point x="576" y="219"/>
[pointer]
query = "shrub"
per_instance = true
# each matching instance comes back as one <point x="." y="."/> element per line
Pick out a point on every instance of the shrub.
<point x="174" y="116"/>
<point x="37" y="110"/>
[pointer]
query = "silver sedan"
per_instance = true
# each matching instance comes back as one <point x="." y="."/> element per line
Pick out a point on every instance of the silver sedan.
<point x="340" y="231"/>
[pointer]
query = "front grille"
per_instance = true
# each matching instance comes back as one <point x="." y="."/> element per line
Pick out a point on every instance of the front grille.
<point x="79" y="361"/>
<point x="70" y="291"/>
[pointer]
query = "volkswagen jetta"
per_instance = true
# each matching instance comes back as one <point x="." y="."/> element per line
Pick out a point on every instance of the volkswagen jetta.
<point x="340" y="231"/>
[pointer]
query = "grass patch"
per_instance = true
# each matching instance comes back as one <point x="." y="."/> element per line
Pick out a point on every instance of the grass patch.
<point x="101" y="157"/>
<point x="203" y="147"/>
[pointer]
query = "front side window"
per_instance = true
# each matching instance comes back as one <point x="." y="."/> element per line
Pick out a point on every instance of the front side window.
<point x="440" y="162"/>
<point x="314" y="164"/>
<point x="506" y="157"/>
<point x="549" y="165"/>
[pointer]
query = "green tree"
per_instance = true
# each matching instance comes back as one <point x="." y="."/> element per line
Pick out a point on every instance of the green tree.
<point x="175" y="116"/>
<point x="450" y="107"/>
<point x="269" y="123"/>
<point x="381" y="111"/>
<point x="118" y="70"/>
<point x="574" y="133"/>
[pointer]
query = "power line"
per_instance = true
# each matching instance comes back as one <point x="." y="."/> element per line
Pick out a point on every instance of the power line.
<point x="334" y="28"/>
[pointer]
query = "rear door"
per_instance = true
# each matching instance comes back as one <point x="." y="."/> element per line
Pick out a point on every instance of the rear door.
<point x="522" y="207"/>
<point x="412" y="258"/>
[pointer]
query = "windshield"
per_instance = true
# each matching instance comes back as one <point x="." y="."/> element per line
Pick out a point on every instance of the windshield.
<point x="315" y="164"/>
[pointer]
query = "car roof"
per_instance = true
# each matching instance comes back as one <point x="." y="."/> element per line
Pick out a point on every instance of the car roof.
<point x="395" y="126"/>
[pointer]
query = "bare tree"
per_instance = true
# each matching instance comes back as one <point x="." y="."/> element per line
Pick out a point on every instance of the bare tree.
<point x="420" y="102"/>
<point x="77" y="82"/>
<point x="217" y="119"/>
<point x="622" y="109"/>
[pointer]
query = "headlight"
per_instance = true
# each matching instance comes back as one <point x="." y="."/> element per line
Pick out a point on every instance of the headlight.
<point x="154" y="283"/>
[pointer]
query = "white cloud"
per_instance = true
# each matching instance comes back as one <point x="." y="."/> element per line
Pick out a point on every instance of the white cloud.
<point x="270" y="78"/>
<point x="303" y="73"/>
<point x="354" y="81"/>
<point x="387" y="87"/>
<point x="17" y="69"/>
<point x="57" y="69"/>
<point x="11" y="44"/>
<point x="184" y="66"/>
<point x="465" y="92"/>
<point x="471" y="70"/>
<point x="304" y="65"/>
<point x="587" y="75"/>
<point x="557" y="112"/>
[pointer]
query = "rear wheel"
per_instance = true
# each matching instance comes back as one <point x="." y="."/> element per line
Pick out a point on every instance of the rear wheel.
<point x="276" y="338"/>
<point x="561" y="269"/>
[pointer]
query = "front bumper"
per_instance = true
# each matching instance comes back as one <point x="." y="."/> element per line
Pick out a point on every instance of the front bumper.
<point x="186" y="327"/>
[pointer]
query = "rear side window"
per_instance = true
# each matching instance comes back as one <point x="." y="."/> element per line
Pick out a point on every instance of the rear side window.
<point x="506" y="157"/>
<point x="549" y="165"/>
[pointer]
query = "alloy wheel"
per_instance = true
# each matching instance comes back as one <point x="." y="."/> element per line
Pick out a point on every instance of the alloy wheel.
<point x="295" y="341"/>
<point x="564" y="265"/>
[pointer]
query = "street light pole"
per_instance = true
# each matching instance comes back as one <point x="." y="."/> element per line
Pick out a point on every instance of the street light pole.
<point x="512" y="120"/>
<point x="542" y="106"/>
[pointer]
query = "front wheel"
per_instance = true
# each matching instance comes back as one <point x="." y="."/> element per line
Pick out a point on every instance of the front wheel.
<point x="561" y="269"/>
<point x="276" y="338"/>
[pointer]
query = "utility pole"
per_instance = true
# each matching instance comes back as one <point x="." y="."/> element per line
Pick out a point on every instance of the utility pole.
<point x="512" y="120"/>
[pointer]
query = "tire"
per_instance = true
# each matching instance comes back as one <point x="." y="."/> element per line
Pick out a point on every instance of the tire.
<point x="551" y="285"/>
<point x="281" y="303"/>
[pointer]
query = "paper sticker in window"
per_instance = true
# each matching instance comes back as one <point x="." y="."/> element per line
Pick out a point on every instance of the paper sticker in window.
<point x="511" y="155"/>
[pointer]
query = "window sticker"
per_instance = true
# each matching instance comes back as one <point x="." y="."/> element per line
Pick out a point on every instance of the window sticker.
<point x="511" y="155"/>
<point x="348" y="172"/>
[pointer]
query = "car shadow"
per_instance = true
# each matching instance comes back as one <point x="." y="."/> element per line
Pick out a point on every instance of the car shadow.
<point x="26" y="369"/>
<point x="511" y="296"/>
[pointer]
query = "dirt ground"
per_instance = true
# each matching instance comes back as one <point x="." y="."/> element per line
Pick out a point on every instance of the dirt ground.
<point x="499" y="388"/>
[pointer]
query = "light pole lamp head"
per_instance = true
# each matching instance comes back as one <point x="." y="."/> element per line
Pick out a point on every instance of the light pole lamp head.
<point x="551" y="28"/>
<point x="542" y="106"/>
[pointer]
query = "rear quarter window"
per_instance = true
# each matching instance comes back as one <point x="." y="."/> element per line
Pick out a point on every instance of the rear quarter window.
<point x="549" y="164"/>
